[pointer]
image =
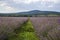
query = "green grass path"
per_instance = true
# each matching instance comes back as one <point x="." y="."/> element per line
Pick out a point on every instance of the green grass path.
<point x="25" y="32"/>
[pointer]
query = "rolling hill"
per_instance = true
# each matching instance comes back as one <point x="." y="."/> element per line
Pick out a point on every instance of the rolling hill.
<point x="30" y="13"/>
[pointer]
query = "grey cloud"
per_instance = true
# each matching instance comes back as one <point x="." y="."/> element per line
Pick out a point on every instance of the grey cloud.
<point x="37" y="6"/>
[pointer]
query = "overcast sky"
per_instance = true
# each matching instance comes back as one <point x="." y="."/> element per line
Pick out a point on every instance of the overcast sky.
<point x="26" y="5"/>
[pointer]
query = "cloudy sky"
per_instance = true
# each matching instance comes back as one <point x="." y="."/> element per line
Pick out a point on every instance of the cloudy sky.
<point x="26" y="5"/>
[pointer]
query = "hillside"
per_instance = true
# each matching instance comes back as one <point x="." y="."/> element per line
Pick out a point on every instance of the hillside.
<point x="30" y="13"/>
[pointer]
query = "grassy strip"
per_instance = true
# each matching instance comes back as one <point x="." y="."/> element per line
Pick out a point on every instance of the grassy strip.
<point x="25" y="32"/>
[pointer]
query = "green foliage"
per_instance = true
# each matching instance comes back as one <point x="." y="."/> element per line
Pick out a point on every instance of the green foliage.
<point x="25" y="32"/>
<point x="25" y="27"/>
<point x="28" y="36"/>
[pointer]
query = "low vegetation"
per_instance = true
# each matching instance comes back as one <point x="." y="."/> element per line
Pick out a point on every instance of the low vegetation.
<point x="33" y="28"/>
<point x="47" y="28"/>
<point x="25" y="32"/>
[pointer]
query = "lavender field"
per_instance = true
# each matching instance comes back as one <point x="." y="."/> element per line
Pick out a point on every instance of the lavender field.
<point x="8" y="24"/>
<point x="46" y="28"/>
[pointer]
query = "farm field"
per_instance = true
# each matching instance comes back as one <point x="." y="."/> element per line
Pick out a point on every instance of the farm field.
<point x="47" y="28"/>
<point x="8" y="24"/>
<point x="37" y="28"/>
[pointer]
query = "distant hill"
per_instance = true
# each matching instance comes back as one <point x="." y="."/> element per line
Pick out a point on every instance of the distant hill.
<point x="30" y="13"/>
